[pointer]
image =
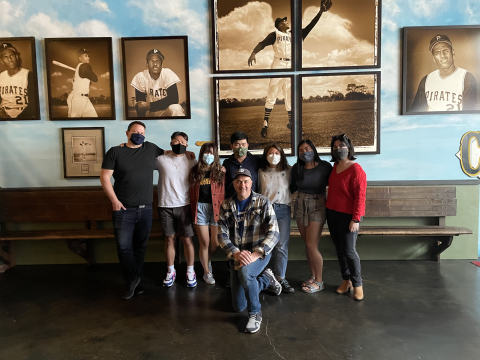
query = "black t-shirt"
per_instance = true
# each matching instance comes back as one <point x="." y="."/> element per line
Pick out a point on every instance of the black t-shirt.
<point x="314" y="180"/>
<point x="205" y="195"/>
<point x="133" y="172"/>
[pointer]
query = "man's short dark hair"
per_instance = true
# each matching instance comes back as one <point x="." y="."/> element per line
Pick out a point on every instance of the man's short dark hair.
<point x="179" y="133"/>
<point x="238" y="135"/>
<point x="136" y="122"/>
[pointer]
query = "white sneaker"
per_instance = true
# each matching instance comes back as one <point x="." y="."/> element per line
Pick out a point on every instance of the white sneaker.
<point x="254" y="322"/>
<point x="210" y="266"/>
<point x="191" y="279"/>
<point x="170" y="279"/>
<point x="209" y="278"/>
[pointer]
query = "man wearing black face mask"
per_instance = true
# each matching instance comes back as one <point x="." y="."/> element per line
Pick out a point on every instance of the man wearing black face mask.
<point x="132" y="195"/>
<point x="174" y="205"/>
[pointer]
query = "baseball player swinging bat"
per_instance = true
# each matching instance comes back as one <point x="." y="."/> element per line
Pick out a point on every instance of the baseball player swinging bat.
<point x="55" y="62"/>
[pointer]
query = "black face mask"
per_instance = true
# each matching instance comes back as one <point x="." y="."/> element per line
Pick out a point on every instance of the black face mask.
<point x="340" y="153"/>
<point x="137" y="139"/>
<point x="179" y="149"/>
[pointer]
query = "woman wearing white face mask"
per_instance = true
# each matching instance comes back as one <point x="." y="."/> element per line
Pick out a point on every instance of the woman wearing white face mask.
<point x="207" y="191"/>
<point x="274" y="182"/>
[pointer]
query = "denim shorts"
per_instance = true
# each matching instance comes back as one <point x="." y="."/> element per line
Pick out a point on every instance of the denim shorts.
<point x="205" y="214"/>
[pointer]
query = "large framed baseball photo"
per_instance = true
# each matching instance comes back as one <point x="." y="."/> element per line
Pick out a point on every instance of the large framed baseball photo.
<point x="156" y="82"/>
<point x="339" y="34"/>
<point x="83" y="151"/>
<point x="341" y="103"/>
<point x="18" y="79"/>
<point x="80" y="78"/>
<point x="260" y="106"/>
<point x="252" y="36"/>
<point x="441" y="70"/>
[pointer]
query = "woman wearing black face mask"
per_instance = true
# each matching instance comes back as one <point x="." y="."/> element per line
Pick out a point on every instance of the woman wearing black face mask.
<point x="310" y="178"/>
<point x="347" y="187"/>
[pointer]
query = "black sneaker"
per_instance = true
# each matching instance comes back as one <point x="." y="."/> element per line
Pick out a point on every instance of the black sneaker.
<point x="274" y="286"/>
<point x="286" y="288"/>
<point x="254" y="322"/>
<point x="264" y="131"/>
<point x="289" y="126"/>
<point x="130" y="289"/>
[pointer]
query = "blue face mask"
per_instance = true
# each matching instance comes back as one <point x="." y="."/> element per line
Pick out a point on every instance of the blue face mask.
<point x="137" y="139"/>
<point x="208" y="158"/>
<point x="307" y="156"/>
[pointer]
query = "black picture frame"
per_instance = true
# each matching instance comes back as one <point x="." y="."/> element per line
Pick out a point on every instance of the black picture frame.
<point x="357" y="21"/>
<point x="175" y="52"/>
<point x="87" y="163"/>
<point x="83" y="103"/>
<point x="357" y="115"/>
<point x="440" y="94"/>
<point x="251" y="117"/>
<point x="253" y="40"/>
<point x="17" y="102"/>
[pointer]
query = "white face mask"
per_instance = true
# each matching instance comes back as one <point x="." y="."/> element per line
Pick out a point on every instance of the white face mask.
<point x="273" y="159"/>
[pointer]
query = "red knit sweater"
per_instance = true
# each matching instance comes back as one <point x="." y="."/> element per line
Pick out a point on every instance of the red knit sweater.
<point x="347" y="191"/>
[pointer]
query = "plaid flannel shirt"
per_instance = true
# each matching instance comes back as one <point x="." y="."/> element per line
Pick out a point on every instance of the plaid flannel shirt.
<point x="261" y="232"/>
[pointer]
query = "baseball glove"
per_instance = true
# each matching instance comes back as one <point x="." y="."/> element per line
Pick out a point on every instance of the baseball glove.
<point x="326" y="5"/>
<point x="3" y="114"/>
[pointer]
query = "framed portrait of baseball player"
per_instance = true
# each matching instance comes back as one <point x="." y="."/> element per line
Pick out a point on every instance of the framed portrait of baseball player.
<point x="339" y="34"/>
<point x="80" y="78"/>
<point x="341" y="103"/>
<point x="441" y="70"/>
<point x="156" y="82"/>
<point x="18" y="79"/>
<point x="260" y="106"/>
<point x="252" y="36"/>
<point x="83" y="151"/>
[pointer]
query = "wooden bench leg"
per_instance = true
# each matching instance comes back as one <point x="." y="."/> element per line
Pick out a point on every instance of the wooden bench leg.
<point x="86" y="253"/>
<point x="7" y="253"/>
<point x="442" y="245"/>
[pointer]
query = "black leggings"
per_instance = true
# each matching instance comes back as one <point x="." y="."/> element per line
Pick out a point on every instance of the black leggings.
<point x="345" y="244"/>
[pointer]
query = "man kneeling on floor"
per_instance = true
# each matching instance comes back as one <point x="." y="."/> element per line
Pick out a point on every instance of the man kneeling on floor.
<point x="248" y="232"/>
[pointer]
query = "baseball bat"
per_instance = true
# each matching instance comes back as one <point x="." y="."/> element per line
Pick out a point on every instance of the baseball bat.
<point x="55" y="62"/>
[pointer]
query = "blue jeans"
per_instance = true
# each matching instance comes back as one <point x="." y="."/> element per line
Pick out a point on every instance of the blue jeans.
<point x="280" y="251"/>
<point x="246" y="284"/>
<point x="132" y="229"/>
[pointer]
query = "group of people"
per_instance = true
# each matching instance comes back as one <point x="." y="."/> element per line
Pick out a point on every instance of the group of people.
<point x="242" y="205"/>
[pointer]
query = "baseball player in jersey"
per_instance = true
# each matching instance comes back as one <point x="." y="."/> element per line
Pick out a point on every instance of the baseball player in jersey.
<point x="83" y="144"/>
<point x="79" y="104"/>
<point x="15" y="101"/>
<point x="156" y="92"/>
<point x="281" y="41"/>
<point x="449" y="88"/>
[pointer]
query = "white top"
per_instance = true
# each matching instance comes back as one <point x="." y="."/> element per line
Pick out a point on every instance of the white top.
<point x="275" y="185"/>
<point x="80" y="85"/>
<point x="173" y="187"/>
<point x="155" y="89"/>
<point x="14" y="92"/>
<point x="283" y="44"/>
<point x="444" y="94"/>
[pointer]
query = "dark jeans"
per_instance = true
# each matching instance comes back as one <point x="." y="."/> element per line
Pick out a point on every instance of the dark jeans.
<point x="132" y="229"/>
<point x="345" y="244"/>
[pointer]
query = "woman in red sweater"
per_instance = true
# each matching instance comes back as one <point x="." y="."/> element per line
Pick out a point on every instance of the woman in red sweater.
<point x="347" y="187"/>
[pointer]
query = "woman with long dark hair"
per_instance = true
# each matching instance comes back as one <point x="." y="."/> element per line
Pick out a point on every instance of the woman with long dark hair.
<point x="347" y="189"/>
<point x="310" y="177"/>
<point x="207" y="191"/>
<point x="274" y="183"/>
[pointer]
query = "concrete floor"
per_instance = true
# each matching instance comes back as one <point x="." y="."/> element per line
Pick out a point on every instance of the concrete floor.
<point x="412" y="310"/>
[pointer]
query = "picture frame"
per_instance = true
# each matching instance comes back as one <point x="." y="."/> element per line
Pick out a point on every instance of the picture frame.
<point x="239" y="105"/>
<point x="80" y="88"/>
<point x="83" y="152"/>
<point x="19" y="98"/>
<point x="441" y="70"/>
<point x="238" y="26"/>
<point x="142" y="91"/>
<point x="336" y="103"/>
<point x="347" y="36"/>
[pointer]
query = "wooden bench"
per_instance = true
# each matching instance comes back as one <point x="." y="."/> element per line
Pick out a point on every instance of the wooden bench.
<point x="84" y="208"/>
<point x="411" y="202"/>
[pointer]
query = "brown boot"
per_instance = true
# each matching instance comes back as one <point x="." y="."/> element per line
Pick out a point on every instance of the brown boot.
<point x="358" y="293"/>
<point x="345" y="287"/>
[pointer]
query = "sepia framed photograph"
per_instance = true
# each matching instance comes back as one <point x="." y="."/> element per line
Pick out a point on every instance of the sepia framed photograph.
<point x="339" y="34"/>
<point x="260" y="106"/>
<point x="441" y="69"/>
<point x="156" y="82"/>
<point x="252" y="36"/>
<point x="80" y="78"/>
<point x="341" y="103"/>
<point x="18" y="79"/>
<point x="83" y="151"/>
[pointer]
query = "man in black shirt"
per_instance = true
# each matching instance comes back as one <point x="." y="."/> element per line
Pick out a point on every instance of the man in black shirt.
<point x="132" y="196"/>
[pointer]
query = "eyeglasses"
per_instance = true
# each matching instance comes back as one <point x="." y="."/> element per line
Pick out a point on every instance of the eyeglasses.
<point x="342" y="137"/>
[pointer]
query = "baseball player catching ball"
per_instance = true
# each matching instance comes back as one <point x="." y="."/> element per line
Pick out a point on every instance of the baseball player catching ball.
<point x="15" y="101"/>
<point x="450" y="88"/>
<point x="281" y="41"/>
<point x="79" y="104"/>
<point x="156" y="92"/>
